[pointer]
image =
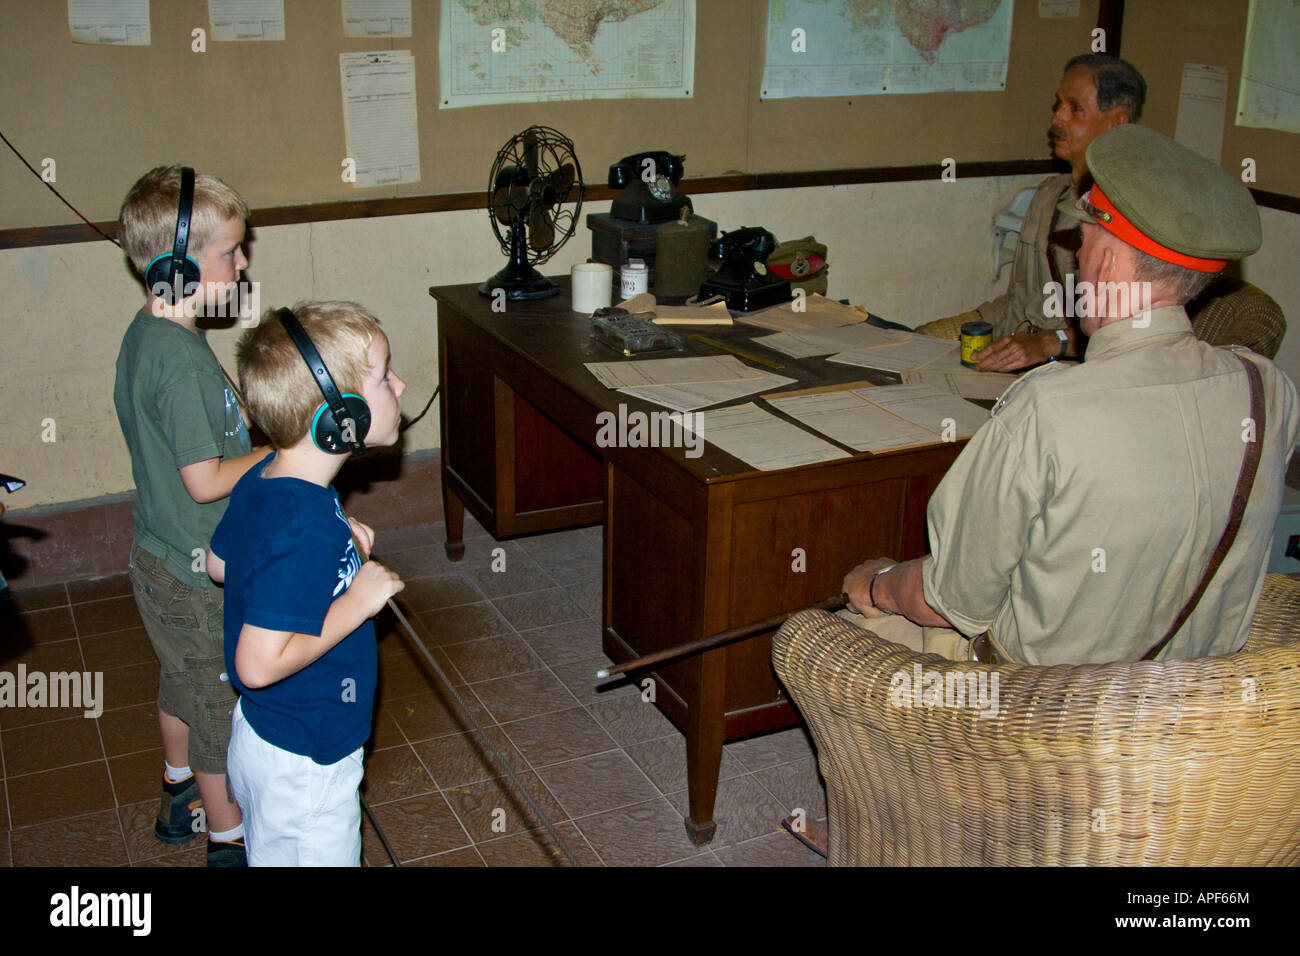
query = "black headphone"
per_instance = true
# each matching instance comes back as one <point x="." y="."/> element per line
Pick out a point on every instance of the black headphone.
<point x="339" y="416"/>
<point x="170" y="274"/>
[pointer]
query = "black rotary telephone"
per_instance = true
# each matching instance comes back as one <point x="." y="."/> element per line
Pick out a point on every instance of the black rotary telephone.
<point x="649" y="183"/>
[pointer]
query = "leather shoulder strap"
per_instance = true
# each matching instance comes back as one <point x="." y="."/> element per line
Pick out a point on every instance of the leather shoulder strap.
<point x="1245" y="480"/>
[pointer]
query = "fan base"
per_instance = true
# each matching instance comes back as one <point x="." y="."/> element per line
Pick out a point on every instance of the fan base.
<point x="520" y="286"/>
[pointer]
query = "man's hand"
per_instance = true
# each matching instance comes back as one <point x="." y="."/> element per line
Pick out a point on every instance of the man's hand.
<point x="857" y="585"/>
<point x="364" y="536"/>
<point x="1018" y="351"/>
<point x="372" y="587"/>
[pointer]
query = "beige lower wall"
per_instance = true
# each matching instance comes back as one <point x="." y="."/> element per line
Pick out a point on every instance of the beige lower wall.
<point x="908" y="251"/>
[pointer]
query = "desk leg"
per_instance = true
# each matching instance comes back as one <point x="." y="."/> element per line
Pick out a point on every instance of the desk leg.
<point x="453" y="512"/>
<point x="704" y="748"/>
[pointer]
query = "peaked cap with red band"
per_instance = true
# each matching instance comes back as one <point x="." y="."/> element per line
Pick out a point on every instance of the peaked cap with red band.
<point x="1162" y="198"/>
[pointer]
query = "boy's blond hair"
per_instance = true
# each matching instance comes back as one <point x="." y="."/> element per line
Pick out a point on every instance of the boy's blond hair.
<point x="148" y="216"/>
<point x="280" y="391"/>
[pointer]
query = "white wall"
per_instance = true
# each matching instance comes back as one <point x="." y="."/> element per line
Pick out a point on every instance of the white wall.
<point x="910" y="252"/>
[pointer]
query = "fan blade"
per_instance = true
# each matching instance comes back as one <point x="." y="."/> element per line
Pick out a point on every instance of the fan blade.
<point x="540" y="231"/>
<point x="558" y="184"/>
<point x="530" y="151"/>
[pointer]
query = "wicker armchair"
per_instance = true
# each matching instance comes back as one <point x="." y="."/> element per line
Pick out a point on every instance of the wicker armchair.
<point x="1179" y="762"/>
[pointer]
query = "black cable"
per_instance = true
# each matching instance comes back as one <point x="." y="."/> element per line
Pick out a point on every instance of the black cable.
<point x="436" y="389"/>
<point x="51" y="188"/>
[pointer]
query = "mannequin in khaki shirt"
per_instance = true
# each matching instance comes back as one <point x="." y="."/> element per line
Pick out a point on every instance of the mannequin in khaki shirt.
<point x="1077" y="522"/>
<point x="1096" y="93"/>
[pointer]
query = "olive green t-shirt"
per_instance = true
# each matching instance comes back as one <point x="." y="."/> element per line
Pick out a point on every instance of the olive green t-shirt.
<point x="175" y="409"/>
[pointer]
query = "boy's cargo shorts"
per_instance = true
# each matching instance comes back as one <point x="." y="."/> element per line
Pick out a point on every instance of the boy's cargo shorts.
<point x="183" y="622"/>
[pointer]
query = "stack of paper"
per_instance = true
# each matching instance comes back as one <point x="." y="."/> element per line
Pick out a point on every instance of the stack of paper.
<point x="762" y="439"/>
<point x="686" y="384"/>
<point x="826" y="341"/>
<point x="885" y="418"/>
<point x="811" y="312"/>
<point x="966" y="383"/>
<point x="909" y="353"/>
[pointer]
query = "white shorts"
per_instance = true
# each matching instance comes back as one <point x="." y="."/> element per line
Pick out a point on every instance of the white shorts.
<point x="296" y="811"/>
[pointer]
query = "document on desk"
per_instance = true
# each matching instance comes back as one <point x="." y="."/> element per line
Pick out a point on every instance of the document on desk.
<point x="966" y="383"/>
<point x="815" y="312"/>
<point x="827" y="341"/>
<point x="690" y="396"/>
<point x="913" y="352"/>
<point x="672" y="371"/>
<point x="885" y="418"/>
<point x="763" y="440"/>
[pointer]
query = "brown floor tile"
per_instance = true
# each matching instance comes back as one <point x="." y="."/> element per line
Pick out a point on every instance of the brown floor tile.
<point x="744" y="810"/>
<point x="42" y="627"/>
<point x="137" y="777"/>
<point x="415" y="827"/>
<point x="495" y="808"/>
<point x="428" y="594"/>
<point x="703" y="859"/>
<point x="538" y="609"/>
<point x="435" y="714"/>
<point x="567" y="643"/>
<point x="664" y="761"/>
<point x="117" y="649"/>
<point x="631" y="720"/>
<point x="58" y="657"/>
<point x="393" y="774"/>
<point x="417" y="562"/>
<point x="424" y="535"/>
<point x="129" y="729"/>
<point x="462" y="759"/>
<point x="647" y="834"/>
<point x="538" y="848"/>
<point x="56" y="794"/>
<point x="560" y="545"/>
<point x="96" y="589"/>
<point x="521" y="574"/>
<point x="141" y="845"/>
<point x="774" y="849"/>
<point x="796" y="785"/>
<point x="575" y="569"/>
<point x="402" y="674"/>
<point x="110" y="614"/>
<point x="492" y="657"/>
<point x="588" y="597"/>
<point x="89" y="840"/>
<point x="40" y="596"/>
<point x="6" y="856"/>
<point x="465" y="857"/>
<point x="4" y="807"/>
<point x="523" y="695"/>
<point x="64" y="655"/>
<point x="127" y="686"/>
<point x="768" y="750"/>
<point x="192" y="854"/>
<point x="599" y="782"/>
<point x="48" y="746"/>
<point x="456" y="625"/>
<point x="580" y="678"/>
<point x="385" y="733"/>
<point x="552" y="738"/>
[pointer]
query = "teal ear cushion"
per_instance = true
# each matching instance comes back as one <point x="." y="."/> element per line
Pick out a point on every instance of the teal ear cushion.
<point x="327" y="433"/>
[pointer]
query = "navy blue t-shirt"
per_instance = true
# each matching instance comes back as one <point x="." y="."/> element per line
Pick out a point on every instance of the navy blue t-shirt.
<point x="289" y="554"/>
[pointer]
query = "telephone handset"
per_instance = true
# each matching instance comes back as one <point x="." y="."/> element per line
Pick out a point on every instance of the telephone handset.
<point x="649" y="183"/>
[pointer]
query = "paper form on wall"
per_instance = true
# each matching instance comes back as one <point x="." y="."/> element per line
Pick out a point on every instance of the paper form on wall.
<point x="827" y="341"/>
<point x="672" y="371"/>
<point x="376" y="18"/>
<point x="1200" y="109"/>
<point x="1269" y="93"/>
<point x="816" y="312"/>
<point x="690" y="396"/>
<point x="379" y="116"/>
<point x="763" y="440"/>
<point x="964" y="384"/>
<point x="109" y="21"/>
<point x="246" y="19"/>
<point x="917" y="351"/>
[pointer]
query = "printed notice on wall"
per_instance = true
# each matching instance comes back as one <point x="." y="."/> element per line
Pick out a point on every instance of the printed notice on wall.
<point x="1269" y="96"/>
<point x="379" y="117"/>
<point x="246" y="19"/>
<point x="1200" y="109"/>
<point x="376" y="18"/>
<point x="109" y="21"/>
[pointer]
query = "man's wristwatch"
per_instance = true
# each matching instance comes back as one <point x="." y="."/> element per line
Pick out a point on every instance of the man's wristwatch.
<point x="871" y="588"/>
<point x="1065" y="344"/>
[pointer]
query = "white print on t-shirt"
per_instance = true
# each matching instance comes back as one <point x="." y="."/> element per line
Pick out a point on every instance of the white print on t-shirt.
<point x="349" y="563"/>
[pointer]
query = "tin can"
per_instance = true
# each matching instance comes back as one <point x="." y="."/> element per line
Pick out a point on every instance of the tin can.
<point x="634" y="278"/>
<point x="974" y="336"/>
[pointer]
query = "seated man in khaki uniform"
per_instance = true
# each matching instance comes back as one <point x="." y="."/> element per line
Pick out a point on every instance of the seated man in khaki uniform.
<point x="1097" y="92"/>
<point x="1080" y="519"/>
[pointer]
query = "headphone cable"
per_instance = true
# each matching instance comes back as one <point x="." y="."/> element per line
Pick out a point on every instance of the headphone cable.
<point x="51" y="188"/>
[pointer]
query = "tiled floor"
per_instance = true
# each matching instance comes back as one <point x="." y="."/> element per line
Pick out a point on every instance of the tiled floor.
<point x="521" y="645"/>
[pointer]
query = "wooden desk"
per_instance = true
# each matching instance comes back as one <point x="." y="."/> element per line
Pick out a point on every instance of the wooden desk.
<point x="692" y="546"/>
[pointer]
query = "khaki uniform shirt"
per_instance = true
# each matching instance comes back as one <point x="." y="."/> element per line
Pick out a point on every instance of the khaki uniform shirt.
<point x="1077" y="521"/>
<point x="1046" y="233"/>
